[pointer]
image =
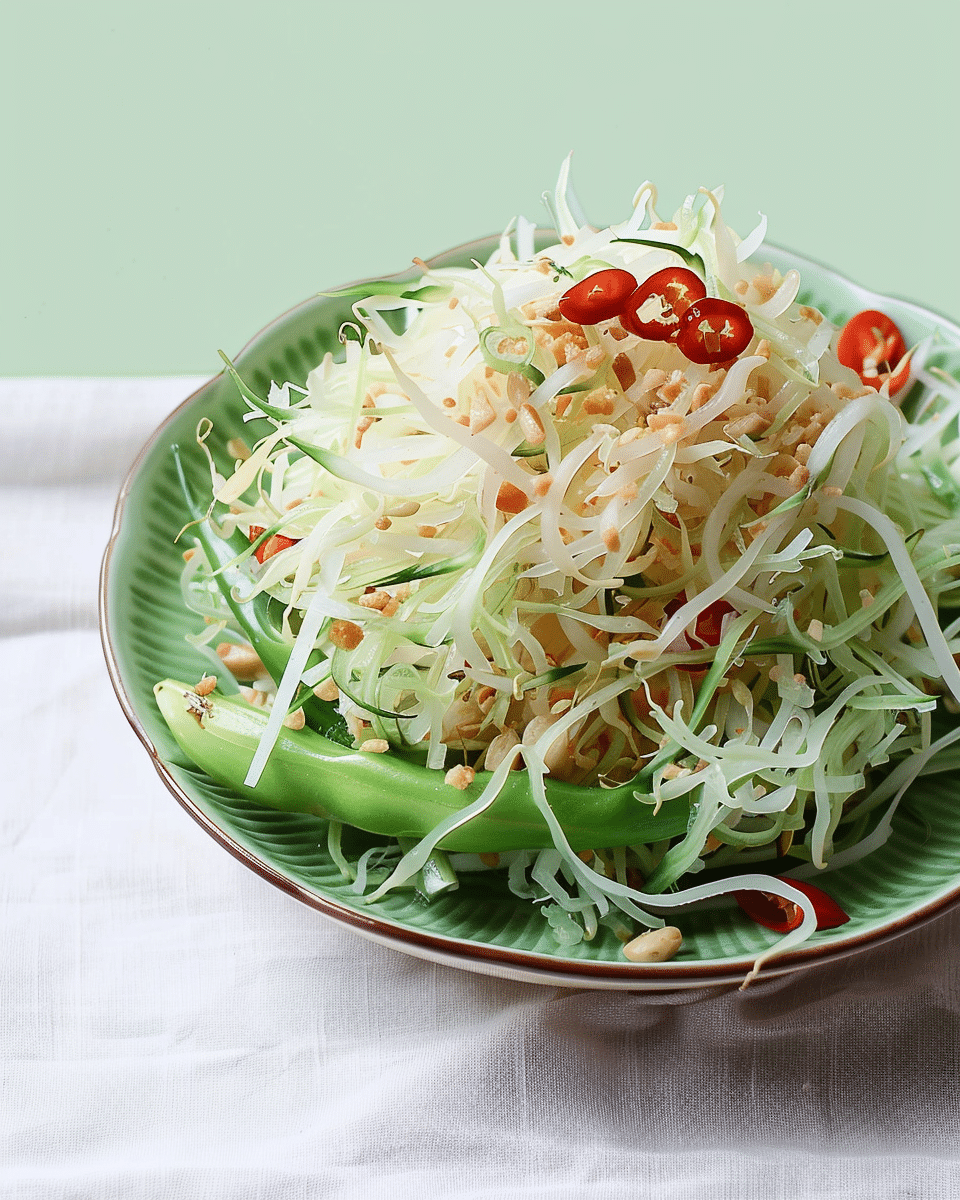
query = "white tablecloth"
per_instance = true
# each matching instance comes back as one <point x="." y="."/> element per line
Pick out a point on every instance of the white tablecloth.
<point x="172" y="1026"/>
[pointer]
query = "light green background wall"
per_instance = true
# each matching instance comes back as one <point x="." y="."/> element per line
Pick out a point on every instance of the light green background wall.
<point x="175" y="175"/>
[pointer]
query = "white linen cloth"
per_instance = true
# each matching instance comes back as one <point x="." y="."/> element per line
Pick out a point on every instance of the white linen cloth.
<point x="172" y="1026"/>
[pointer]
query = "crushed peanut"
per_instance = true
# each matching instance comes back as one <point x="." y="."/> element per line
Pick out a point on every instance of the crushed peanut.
<point x="510" y="499"/>
<point x="327" y="690"/>
<point x="406" y="508"/>
<point x="656" y="945"/>
<point x="532" y="425"/>
<point x="346" y="635"/>
<point x="765" y="287"/>
<point x="377" y="599"/>
<point x="459" y="777"/>
<point x="600" y="402"/>
<point x="242" y="661"/>
<point x="482" y="415"/>
<point x="653" y="380"/>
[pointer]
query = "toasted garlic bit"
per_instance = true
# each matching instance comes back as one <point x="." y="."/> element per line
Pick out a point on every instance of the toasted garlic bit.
<point x="656" y="945"/>
<point x="346" y="635"/>
<point x="242" y="661"/>
<point x="206" y="685"/>
<point x="459" y="777"/>
<point x="327" y="690"/>
<point x="375" y="746"/>
<point x="197" y="706"/>
<point x="296" y="719"/>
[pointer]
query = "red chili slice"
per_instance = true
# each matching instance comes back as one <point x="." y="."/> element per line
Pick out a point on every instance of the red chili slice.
<point x="714" y="331"/>
<point x="780" y="915"/>
<point x="597" y="298"/>
<point x="873" y="346"/>
<point x="708" y="628"/>
<point x="273" y="545"/>
<point x="664" y="297"/>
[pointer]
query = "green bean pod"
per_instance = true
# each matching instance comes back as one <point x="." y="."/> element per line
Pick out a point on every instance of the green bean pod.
<point x="385" y="794"/>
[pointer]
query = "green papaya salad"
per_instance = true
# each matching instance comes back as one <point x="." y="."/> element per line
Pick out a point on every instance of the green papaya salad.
<point x="611" y="567"/>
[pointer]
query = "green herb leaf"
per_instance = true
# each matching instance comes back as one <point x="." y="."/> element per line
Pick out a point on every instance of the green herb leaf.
<point x="390" y="287"/>
<point x="690" y="258"/>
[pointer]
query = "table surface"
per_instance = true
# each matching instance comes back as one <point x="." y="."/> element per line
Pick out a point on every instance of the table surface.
<point x="173" y="1026"/>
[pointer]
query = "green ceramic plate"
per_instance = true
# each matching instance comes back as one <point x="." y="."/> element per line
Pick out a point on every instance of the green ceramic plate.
<point x="480" y="927"/>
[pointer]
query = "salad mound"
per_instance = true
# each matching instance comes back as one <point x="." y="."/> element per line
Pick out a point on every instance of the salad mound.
<point x="619" y="512"/>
